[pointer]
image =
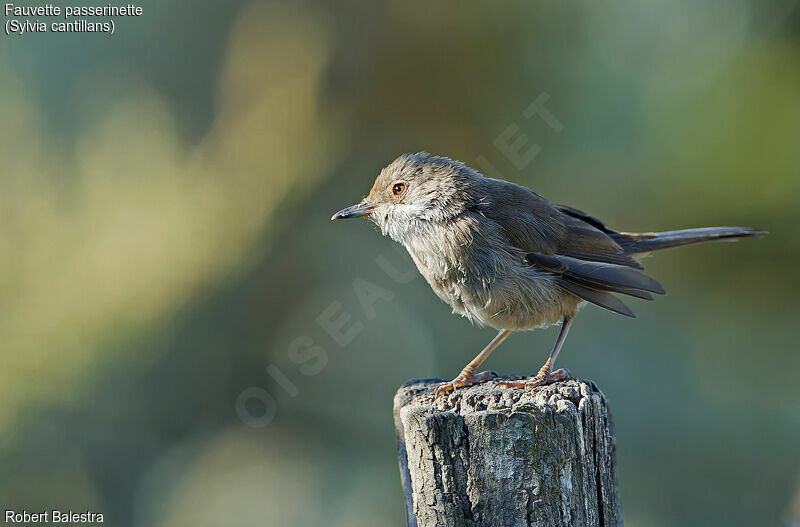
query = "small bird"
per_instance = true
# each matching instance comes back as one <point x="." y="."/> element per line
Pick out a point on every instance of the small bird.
<point x="503" y="256"/>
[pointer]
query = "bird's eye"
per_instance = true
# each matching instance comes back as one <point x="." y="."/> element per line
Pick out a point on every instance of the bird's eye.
<point x="398" y="189"/>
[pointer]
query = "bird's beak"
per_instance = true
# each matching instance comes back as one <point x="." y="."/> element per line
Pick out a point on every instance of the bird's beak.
<point x="356" y="211"/>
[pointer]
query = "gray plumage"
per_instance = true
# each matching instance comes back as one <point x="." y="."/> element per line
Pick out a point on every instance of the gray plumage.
<point x="504" y="256"/>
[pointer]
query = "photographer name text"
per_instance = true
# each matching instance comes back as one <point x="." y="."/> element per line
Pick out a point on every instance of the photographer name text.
<point x="52" y="516"/>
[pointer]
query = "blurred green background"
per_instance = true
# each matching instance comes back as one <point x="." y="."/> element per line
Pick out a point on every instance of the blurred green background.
<point x="166" y="250"/>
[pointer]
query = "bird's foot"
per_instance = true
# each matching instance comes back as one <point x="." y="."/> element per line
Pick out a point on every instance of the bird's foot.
<point x="464" y="379"/>
<point x="541" y="379"/>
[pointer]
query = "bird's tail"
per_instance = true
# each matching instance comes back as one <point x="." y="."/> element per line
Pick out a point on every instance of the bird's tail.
<point x="645" y="242"/>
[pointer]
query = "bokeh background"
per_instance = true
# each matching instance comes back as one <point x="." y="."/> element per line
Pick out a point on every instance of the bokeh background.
<point x="165" y="248"/>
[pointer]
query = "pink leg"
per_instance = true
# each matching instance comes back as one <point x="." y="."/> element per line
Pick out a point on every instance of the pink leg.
<point x="468" y="377"/>
<point x="546" y="375"/>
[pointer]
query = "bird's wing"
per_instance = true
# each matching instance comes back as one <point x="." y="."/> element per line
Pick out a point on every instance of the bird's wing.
<point x="527" y="220"/>
<point x="580" y="221"/>
<point x="576" y="248"/>
<point x="532" y="223"/>
<point x="580" y="215"/>
<point x="595" y="281"/>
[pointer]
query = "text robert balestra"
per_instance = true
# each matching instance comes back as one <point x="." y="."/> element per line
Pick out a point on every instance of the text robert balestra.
<point x="52" y="516"/>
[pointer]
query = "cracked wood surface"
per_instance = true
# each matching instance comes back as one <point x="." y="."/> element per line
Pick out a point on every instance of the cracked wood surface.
<point x="488" y="456"/>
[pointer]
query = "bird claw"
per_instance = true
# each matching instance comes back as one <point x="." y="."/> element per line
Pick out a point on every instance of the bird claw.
<point x="464" y="380"/>
<point x="538" y="380"/>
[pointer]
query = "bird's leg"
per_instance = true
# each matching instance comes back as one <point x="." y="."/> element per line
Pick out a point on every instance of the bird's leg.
<point x="546" y="374"/>
<point x="468" y="377"/>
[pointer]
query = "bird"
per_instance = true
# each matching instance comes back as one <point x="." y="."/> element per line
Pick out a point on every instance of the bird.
<point x="503" y="256"/>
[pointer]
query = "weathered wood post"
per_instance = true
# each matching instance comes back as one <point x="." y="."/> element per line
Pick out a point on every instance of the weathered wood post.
<point x="487" y="456"/>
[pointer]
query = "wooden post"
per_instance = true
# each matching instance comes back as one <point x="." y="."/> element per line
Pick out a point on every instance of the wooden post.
<point x="488" y="456"/>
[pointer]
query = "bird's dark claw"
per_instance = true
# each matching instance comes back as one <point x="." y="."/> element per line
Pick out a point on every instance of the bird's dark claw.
<point x="538" y="380"/>
<point x="464" y="379"/>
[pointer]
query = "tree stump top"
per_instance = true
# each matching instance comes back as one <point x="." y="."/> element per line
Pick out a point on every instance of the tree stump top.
<point x="489" y="397"/>
<point x="485" y="455"/>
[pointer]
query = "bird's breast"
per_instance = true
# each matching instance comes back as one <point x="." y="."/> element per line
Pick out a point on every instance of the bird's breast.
<point x="487" y="281"/>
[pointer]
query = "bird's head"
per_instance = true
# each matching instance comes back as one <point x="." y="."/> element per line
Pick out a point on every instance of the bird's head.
<point x="416" y="190"/>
